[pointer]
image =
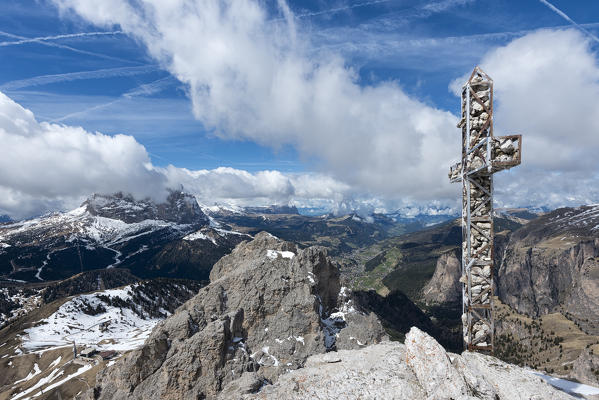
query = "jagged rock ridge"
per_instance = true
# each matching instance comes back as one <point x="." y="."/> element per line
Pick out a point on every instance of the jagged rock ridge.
<point x="275" y="323"/>
<point x="269" y="306"/>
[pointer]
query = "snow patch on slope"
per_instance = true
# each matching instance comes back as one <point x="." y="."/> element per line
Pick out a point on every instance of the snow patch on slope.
<point x="570" y="387"/>
<point x="273" y="254"/>
<point x="92" y="320"/>
<point x="199" y="236"/>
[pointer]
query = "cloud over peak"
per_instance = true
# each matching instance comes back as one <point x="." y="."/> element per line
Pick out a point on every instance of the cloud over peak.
<point x="42" y="163"/>
<point x="47" y="167"/>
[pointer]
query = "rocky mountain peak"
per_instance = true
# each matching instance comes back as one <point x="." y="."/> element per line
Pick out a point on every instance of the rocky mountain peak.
<point x="444" y="287"/>
<point x="179" y="207"/>
<point x="268" y="307"/>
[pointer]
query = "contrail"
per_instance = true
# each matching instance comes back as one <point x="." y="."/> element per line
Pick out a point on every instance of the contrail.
<point x="378" y="43"/>
<point x="444" y="5"/>
<point x="339" y="9"/>
<point x="142" y="90"/>
<point x="148" y="89"/>
<point x="570" y="20"/>
<point x="430" y="7"/>
<point x="72" y="76"/>
<point x="58" y="37"/>
<point x="62" y="46"/>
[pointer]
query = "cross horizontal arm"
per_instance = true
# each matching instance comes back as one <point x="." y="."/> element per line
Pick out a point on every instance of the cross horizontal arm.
<point x="506" y="153"/>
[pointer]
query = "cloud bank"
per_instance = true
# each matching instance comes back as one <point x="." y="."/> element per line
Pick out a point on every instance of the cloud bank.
<point x="47" y="167"/>
<point x="252" y="75"/>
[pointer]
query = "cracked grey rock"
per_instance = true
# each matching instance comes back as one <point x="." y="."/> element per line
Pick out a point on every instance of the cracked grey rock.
<point x="419" y="370"/>
<point x="262" y="315"/>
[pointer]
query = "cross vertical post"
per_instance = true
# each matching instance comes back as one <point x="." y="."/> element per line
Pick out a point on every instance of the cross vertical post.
<point x="482" y="156"/>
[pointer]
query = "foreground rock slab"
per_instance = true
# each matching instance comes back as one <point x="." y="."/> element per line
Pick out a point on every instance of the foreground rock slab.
<point x="419" y="370"/>
<point x="375" y="372"/>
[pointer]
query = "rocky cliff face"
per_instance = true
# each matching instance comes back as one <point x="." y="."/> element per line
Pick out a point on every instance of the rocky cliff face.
<point x="269" y="306"/>
<point x="444" y="287"/>
<point x="586" y="367"/>
<point x="552" y="264"/>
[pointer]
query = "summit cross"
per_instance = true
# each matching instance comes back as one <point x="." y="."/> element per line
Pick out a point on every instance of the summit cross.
<point x="482" y="156"/>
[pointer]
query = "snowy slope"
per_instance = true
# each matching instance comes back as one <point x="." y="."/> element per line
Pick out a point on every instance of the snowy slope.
<point x="573" y="388"/>
<point x="93" y="320"/>
<point x="115" y="319"/>
<point x="36" y="355"/>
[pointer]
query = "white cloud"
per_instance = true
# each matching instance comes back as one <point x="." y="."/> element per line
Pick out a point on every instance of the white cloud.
<point x="250" y="77"/>
<point x="48" y="167"/>
<point x="44" y="165"/>
<point x="234" y="186"/>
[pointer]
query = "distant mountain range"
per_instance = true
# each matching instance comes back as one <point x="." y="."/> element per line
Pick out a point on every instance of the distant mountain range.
<point x="182" y="238"/>
<point x="176" y="238"/>
<point x="171" y="239"/>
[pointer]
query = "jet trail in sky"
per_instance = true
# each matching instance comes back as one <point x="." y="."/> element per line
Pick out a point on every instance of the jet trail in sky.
<point x="570" y="20"/>
<point x="57" y="37"/>
<point x="62" y="46"/>
<point x="81" y="75"/>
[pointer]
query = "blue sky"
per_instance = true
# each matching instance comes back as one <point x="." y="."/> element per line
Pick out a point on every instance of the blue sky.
<point x="82" y="71"/>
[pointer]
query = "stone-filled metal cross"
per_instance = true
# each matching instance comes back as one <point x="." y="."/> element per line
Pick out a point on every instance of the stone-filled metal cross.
<point x="482" y="156"/>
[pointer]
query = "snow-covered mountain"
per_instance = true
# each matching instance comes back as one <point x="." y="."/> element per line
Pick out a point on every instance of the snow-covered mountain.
<point x="117" y="230"/>
<point x="36" y="354"/>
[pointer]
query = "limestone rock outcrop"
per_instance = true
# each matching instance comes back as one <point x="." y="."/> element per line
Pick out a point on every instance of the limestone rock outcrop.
<point x="269" y="306"/>
<point x="586" y="367"/>
<point x="381" y="371"/>
<point x="444" y="287"/>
